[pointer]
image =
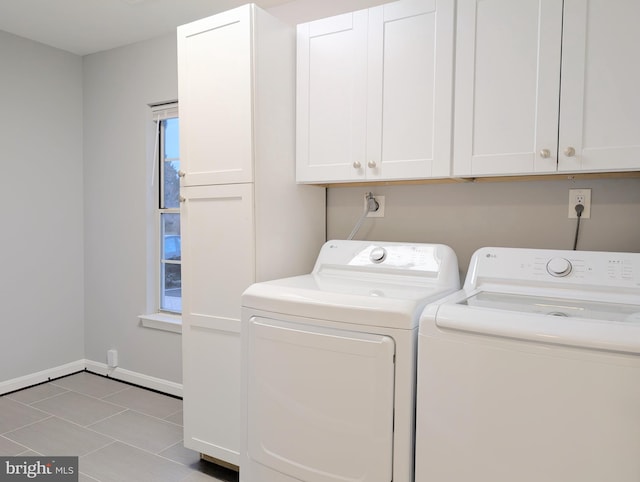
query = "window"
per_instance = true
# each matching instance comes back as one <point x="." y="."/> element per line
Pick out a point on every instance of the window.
<point x="169" y="209"/>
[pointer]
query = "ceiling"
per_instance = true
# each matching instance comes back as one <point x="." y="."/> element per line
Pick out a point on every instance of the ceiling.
<point x="88" y="26"/>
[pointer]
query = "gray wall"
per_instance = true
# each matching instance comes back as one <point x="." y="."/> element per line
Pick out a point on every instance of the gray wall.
<point x="41" y="286"/>
<point x="118" y="86"/>
<point x="468" y="216"/>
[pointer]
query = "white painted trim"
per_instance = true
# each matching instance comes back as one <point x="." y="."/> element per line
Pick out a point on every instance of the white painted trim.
<point x="146" y="381"/>
<point x="162" y="321"/>
<point x="42" y="376"/>
<point x="122" y="374"/>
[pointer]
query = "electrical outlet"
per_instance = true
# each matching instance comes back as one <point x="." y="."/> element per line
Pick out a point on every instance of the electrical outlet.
<point x="580" y="196"/>
<point x="380" y="212"/>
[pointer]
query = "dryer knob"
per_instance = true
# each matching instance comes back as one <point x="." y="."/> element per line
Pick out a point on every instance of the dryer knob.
<point x="378" y="255"/>
<point x="559" y="267"/>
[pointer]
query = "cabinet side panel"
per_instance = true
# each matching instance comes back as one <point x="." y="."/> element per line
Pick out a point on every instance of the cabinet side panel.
<point x="289" y="217"/>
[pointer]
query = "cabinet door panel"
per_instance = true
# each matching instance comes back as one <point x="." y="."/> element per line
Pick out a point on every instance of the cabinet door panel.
<point x="331" y="98"/>
<point x="211" y="388"/>
<point x="214" y="83"/>
<point x="600" y="108"/>
<point x="409" y="80"/>
<point x="217" y="224"/>
<point x="507" y="86"/>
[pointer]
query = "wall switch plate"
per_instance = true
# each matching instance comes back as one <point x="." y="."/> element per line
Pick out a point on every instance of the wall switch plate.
<point x="380" y="212"/>
<point x="580" y="196"/>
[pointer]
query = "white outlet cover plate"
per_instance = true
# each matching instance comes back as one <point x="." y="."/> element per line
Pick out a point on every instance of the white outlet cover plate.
<point x="574" y="195"/>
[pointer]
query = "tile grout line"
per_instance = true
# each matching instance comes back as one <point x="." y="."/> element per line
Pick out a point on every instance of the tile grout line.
<point x="27" y="425"/>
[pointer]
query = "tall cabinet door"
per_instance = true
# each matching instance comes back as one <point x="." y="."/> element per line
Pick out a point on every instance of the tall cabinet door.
<point x="507" y="86"/>
<point x="410" y="75"/>
<point x="214" y="87"/>
<point x="600" y="107"/>
<point x="217" y="224"/>
<point x="331" y="98"/>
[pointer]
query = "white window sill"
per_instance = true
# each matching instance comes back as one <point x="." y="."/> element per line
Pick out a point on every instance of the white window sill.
<point x="162" y="321"/>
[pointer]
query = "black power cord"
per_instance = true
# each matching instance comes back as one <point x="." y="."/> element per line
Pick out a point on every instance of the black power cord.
<point x="579" y="208"/>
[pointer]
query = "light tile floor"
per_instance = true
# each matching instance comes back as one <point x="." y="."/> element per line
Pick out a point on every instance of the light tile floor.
<point x="121" y="433"/>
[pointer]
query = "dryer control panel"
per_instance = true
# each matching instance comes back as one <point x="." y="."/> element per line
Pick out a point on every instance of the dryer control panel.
<point x="385" y="256"/>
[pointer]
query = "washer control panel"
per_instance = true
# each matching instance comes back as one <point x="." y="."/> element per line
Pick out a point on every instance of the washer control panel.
<point x="555" y="266"/>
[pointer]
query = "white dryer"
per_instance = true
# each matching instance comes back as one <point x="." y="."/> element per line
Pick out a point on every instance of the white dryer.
<point x="532" y="372"/>
<point x="329" y="360"/>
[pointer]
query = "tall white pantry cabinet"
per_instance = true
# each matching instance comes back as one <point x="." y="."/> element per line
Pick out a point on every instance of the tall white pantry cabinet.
<point x="244" y="218"/>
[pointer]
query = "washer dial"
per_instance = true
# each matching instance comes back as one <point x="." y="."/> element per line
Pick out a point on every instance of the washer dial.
<point x="559" y="267"/>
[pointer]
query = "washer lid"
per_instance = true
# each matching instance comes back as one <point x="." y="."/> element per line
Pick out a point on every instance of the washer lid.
<point x="562" y="307"/>
<point x="600" y="325"/>
<point x="365" y="300"/>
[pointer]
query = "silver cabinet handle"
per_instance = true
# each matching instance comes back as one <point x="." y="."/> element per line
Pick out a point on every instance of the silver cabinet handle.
<point x="371" y="164"/>
<point x="182" y="199"/>
<point x="181" y="173"/>
<point x="545" y="153"/>
<point x="357" y="165"/>
<point x="569" y="152"/>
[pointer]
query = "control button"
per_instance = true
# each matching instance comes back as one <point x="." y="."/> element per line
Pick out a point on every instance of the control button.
<point x="378" y="255"/>
<point x="559" y="267"/>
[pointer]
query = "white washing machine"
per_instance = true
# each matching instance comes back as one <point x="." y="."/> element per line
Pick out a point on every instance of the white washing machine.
<point x="532" y="372"/>
<point x="329" y="363"/>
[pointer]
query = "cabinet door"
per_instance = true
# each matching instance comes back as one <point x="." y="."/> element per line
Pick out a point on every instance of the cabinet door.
<point x="600" y="105"/>
<point x="410" y="75"/>
<point x="218" y="265"/>
<point x="507" y="86"/>
<point x="331" y="98"/>
<point x="214" y="89"/>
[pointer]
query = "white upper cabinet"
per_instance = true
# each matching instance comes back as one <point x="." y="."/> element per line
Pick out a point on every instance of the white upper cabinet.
<point x="374" y="94"/>
<point x="214" y="87"/>
<point x="600" y="97"/>
<point x="543" y="87"/>
<point x="507" y="86"/>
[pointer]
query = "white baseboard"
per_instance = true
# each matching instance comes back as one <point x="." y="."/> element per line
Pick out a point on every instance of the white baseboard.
<point x="42" y="376"/>
<point x="122" y="374"/>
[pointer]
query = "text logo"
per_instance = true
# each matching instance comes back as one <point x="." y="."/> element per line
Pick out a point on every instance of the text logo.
<point x="50" y="469"/>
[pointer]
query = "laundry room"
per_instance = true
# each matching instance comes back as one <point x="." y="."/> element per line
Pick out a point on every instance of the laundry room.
<point x="80" y="150"/>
